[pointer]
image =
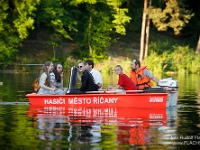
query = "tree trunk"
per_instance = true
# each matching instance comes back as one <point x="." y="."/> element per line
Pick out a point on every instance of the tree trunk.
<point x="54" y="52"/>
<point x="147" y="33"/>
<point x="198" y="46"/>
<point x="89" y="36"/>
<point x="143" y="31"/>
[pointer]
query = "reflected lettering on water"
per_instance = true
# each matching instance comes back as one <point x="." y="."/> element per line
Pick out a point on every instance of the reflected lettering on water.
<point x="56" y="127"/>
<point x="91" y="126"/>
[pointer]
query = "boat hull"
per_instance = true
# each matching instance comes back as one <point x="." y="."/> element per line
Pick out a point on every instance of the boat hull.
<point x="139" y="100"/>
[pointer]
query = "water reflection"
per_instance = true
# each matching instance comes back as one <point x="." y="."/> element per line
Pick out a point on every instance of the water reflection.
<point x="25" y="127"/>
<point x="92" y="127"/>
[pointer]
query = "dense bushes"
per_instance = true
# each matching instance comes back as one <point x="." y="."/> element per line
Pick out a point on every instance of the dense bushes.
<point x="176" y="59"/>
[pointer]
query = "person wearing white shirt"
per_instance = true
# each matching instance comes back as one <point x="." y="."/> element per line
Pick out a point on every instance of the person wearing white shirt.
<point x="96" y="74"/>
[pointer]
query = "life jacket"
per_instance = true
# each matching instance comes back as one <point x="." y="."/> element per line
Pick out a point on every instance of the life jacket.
<point x="140" y="79"/>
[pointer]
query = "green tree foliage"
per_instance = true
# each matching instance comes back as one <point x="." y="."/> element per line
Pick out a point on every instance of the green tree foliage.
<point x="94" y="30"/>
<point x="88" y="22"/>
<point x="135" y="8"/>
<point x="57" y="16"/>
<point x="96" y="24"/>
<point x="120" y="17"/>
<point x="191" y="31"/>
<point x="15" y="20"/>
<point x="174" y="15"/>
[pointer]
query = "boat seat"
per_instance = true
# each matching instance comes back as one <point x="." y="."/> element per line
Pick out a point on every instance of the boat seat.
<point x="154" y="90"/>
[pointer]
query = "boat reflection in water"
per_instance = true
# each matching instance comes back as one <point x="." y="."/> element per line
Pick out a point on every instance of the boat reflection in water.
<point x="101" y="127"/>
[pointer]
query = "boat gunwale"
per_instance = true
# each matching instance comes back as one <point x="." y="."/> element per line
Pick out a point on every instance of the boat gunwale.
<point x="103" y="94"/>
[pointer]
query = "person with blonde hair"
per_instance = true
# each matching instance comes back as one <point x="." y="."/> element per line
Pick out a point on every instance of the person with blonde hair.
<point x="124" y="82"/>
<point x="45" y="83"/>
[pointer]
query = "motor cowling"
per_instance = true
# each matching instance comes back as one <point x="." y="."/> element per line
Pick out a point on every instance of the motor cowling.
<point x="168" y="82"/>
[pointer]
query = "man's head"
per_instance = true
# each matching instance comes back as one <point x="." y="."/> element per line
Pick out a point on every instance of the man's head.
<point x="135" y="65"/>
<point x="89" y="65"/>
<point x="81" y="66"/>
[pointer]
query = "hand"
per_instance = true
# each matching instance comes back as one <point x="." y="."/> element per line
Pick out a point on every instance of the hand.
<point x="108" y="88"/>
<point x="100" y="85"/>
<point x="61" y="75"/>
<point x="167" y="89"/>
<point x="53" y="88"/>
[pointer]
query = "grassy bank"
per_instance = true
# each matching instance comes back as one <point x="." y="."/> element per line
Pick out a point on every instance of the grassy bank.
<point x="166" y="54"/>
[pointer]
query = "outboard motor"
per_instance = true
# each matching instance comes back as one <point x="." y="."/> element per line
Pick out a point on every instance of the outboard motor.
<point x="168" y="83"/>
<point x="171" y="87"/>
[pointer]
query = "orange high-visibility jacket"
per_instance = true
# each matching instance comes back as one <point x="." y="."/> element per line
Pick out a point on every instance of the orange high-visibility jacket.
<point x="140" y="79"/>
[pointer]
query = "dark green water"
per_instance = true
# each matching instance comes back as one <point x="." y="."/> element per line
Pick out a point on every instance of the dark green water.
<point x="24" y="129"/>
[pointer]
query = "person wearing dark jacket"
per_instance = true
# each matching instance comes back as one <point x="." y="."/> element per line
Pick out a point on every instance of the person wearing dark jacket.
<point x="87" y="80"/>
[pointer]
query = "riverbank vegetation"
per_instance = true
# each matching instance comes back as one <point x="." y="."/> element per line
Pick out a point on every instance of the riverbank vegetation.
<point x="106" y="31"/>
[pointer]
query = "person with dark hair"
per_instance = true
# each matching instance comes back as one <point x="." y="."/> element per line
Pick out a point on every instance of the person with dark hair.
<point x="141" y="76"/>
<point x="58" y="72"/>
<point x="124" y="82"/>
<point x="87" y="80"/>
<point x="45" y="80"/>
<point x="96" y="74"/>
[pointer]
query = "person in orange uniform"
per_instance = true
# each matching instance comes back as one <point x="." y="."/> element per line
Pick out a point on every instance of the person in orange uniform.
<point x="141" y="76"/>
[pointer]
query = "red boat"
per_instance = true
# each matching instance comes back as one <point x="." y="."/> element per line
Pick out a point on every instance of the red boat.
<point x="138" y="100"/>
<point x="149" y="98"/>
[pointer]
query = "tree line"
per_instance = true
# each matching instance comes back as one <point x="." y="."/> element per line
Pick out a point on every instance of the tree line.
<point x="91" y="23"/>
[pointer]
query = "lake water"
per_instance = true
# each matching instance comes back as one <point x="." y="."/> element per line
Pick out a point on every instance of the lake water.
<point x="23" y="127"/>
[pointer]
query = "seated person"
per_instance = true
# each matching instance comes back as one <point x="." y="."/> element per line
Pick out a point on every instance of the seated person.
<point x="87" y="80"/>
<point x="96" y="74"/>
<point x="90" y="67"/>
<point x="45" y="80"/>
<point x="141" y="76"/>
<point x="124" y="82"/>
<point x="79" y="68"/>
<point x="58" y="71"/>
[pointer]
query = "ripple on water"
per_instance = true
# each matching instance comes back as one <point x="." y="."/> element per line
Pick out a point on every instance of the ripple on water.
<point x="21" y="127"/>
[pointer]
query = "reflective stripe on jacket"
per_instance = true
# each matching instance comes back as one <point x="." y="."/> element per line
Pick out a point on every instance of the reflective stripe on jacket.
<point x="140" y="79"/>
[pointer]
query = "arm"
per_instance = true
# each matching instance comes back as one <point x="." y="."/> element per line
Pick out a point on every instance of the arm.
<point x="155" y="79"/>
<point x="100" y="81"/>
<point x="42" y="83"/>
<point x="78" y="77"/>
<point x="84" y="80"/>
<point x="149" y="74"/>
<point x="118" y="86"/>
<point x="113" y="87"/>
<point x="61" y="81"/>
<point x="98" y="78"/>
<point x="100" y="85"/>
<point x="52" y="79"/>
